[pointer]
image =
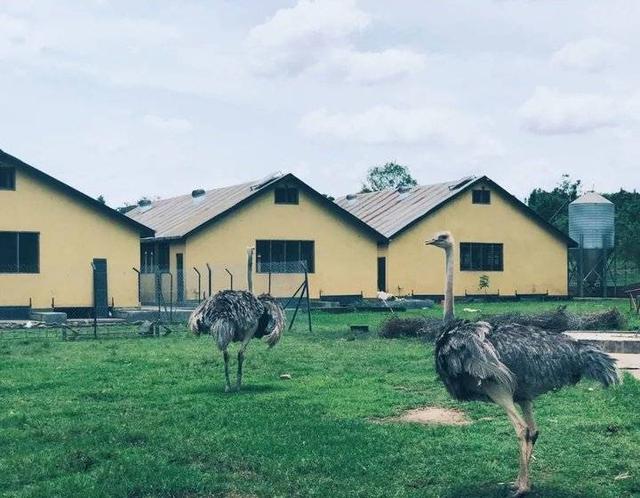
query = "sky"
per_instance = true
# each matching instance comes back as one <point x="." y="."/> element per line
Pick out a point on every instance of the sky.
<point x="156" y="98"/>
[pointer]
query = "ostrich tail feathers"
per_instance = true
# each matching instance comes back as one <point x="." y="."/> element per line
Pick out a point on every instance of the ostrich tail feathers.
<point x="196" y="319"/>
<point x="599" y="366"/>
<point x="276" y="320"/>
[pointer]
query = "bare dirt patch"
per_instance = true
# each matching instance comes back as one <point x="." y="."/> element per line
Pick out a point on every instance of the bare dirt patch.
<point x="431" y="415"/>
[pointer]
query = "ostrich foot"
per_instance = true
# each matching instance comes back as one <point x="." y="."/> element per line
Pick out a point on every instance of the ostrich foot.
<point x="519" y="489"/>
<point x="227" y="388"/>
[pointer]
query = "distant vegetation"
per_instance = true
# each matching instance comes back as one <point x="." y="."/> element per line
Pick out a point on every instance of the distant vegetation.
<point x="389" y="175"/>
<point x="553" y="206"/>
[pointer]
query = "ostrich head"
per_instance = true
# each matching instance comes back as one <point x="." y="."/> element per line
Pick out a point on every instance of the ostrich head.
<point x="443" y="240"/>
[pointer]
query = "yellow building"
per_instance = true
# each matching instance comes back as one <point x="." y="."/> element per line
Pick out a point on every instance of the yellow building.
<point x="51" y="238"/>
<point x="201" y="242"/>
<point x="502" y="246"/>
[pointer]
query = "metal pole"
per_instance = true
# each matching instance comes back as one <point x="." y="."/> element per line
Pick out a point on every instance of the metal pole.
<point x="209" y="270"/>
<point x="581" y="267"/>
<point x="250" y="269"/>
<point x="306" y="288"/>
<point x="230" y="276"/>
<point x="95" y="305"/>
<point x="139" y="285"/>
<point x="199" y="284"/>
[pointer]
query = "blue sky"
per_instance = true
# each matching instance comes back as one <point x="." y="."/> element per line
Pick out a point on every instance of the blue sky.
<point x="156" y="98"/>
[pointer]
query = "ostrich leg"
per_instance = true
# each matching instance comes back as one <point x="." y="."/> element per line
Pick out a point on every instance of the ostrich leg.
<point x="243" y="347"/>
<point x="502" y="397"/>
<point x="227" y="385"/>
<point x="532" y="436"/>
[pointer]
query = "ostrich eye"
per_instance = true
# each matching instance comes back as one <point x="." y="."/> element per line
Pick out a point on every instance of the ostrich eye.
<point x="442" y="237"/>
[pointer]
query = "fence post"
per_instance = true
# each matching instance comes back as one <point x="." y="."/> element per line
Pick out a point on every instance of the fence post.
<point x="199" y="283"/>
<point x="230" y="276"/>
<point x="210" y="274"/>
<point x="250" y="269"/>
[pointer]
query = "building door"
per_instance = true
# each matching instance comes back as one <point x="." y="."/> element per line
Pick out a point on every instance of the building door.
<point x="100" y="290"/>
<point x="382" y="274"/>
<point x="180" y="277"/>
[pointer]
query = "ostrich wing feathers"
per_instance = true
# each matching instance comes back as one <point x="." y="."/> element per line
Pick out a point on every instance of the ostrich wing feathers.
<point x="465" y="358"/>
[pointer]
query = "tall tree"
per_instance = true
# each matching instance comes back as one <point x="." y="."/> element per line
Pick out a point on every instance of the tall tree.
<point x="390" y="175"/>
<point x="627" y="224"/>
<point x="553" y="206"/>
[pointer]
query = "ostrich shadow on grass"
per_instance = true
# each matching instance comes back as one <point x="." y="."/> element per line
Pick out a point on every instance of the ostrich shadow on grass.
<point x="217" y="389"/>
<point x="485" y="490"/>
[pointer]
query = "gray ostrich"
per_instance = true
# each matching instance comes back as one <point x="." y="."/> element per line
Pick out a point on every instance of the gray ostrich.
<point x="510" y="364"/>
<point x="238" y="316"/>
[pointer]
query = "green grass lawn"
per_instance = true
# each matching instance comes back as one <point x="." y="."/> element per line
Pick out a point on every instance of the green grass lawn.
<point x="148" y="417"/>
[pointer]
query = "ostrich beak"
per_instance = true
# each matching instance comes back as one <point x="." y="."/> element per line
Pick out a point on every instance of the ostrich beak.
<point x="429" y="242"/>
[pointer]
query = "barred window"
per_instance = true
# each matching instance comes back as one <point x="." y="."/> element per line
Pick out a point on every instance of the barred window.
<point x="19" y="252"/>
<point x="285" y="256"/>
<point x="475" y="256"/>
<point x="7" y="178"/>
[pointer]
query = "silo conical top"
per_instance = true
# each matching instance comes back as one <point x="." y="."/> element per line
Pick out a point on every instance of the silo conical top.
<point x="591" y="198"/>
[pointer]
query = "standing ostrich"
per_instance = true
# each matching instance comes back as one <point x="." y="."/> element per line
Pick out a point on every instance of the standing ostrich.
<point x="510" y="364"/>
<point x="238" y="316"/>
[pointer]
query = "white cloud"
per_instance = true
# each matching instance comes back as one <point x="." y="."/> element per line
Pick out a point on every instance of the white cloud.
<point x="588" y="54"/>
<point x="317" y="35"/>
<point x="549" y="112"/>
<point x="294" y="38"/>
<point x="170" y="125"/>
<point x="391" y="125"/>
<point x="373" y="67"/>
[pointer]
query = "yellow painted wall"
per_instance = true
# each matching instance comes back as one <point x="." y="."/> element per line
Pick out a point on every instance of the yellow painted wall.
<point x="345" y="256"/>
<point x="71" y="235"/>
<point x="534" y="260"/>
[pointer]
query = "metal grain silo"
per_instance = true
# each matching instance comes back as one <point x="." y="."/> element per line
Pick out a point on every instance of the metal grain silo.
<point x="592" y="221"/>
<point x="592" y="226"/>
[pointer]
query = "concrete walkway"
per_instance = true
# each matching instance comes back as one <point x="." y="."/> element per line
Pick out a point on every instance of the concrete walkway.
<point x="629" y="363"/>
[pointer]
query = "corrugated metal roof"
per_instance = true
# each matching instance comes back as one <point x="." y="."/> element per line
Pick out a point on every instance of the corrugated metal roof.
<point x="177" y="216"/>
<point x="389" y="211"/>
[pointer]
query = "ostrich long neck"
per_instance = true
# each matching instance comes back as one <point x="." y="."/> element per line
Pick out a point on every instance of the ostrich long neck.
<point x="449" y="314"/>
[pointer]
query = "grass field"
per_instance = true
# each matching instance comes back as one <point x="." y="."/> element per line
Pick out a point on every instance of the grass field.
<point x="148" y="417"/>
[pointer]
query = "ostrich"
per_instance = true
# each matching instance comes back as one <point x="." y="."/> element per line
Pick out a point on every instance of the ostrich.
<point x="238" y="316"/>
<point x="510" y="364"/>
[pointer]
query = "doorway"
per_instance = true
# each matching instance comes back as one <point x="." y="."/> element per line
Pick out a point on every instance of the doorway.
<point x="100" y="290"/>
<point x="382" y="274"/>
<point x="180" y="277"/>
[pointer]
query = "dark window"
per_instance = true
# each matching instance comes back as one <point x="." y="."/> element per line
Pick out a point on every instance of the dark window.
<point x="147" y="259"/>
<point x="286" y="195"/>
<point x="285" y="256"/>
<point x="7" y="178"/>
<point x="19" y="252"/>
<point x="481" y="257"/>
<point x="163" y="257"/>
<point x="154" y="258"/>
<point x="481" y="196"/>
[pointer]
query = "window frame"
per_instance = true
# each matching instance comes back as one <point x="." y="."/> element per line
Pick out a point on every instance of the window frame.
<point x="485" y="252"/>
<point x="484" y="199"/>
<point x="290" y="195"/>
<point x="12" y="178"/>
<point x="284" y="249"/>
<point x="33" y="269"/>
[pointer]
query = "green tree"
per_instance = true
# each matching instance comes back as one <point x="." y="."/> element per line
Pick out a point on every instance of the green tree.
<point x="553" y="206"/>
<point x="390" y="175"/>
<point x="627" y="224"/>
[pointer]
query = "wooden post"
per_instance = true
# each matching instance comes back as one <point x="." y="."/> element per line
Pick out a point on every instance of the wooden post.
<point x="250" y="269"/>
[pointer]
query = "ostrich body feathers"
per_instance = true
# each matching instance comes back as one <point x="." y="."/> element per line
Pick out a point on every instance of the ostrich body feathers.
<point x="527" y="360"/>
<point x="236" y="316"/>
